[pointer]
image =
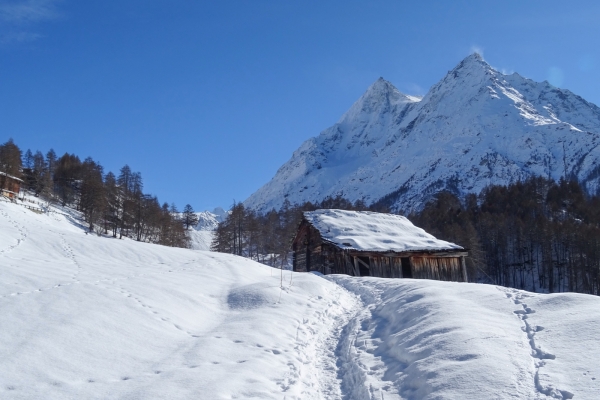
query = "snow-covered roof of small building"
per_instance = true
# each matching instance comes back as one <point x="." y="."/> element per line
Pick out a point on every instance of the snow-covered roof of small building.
<point x="10" y="176"/>
<point x="371" y="231"/>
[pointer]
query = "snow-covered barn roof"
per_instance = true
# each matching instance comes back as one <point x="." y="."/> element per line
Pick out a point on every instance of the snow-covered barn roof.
<point x="371" y="231"/>
<point x="10" y="176"/>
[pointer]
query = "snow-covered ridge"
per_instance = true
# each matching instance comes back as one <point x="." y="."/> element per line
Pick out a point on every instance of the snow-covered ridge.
<point x="473" y="128"/>
<point x="209" y="220"/>
<point x="202" y="234"/>
<point x="371" y="231"/>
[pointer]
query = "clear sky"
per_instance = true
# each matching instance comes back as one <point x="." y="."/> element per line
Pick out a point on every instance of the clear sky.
<point x="208" y="98"/>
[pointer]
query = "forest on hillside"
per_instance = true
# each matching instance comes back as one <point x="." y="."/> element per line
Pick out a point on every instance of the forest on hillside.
<point x="538" y="235"/>
<point x="110" y="204"/>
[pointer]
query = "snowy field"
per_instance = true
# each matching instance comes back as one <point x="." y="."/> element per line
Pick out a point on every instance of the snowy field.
<point x="91" y="317"/>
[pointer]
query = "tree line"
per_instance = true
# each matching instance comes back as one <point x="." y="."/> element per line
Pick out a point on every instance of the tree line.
<point x="539" y="235"/>
<point x="110" y="204"/>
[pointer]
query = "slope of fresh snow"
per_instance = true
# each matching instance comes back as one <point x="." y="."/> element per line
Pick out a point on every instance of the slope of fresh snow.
<point x="200" y="240"/>
<point x="96" y="318"/>
<point x="418" y="339"/>
<point x="372" y="231"/>
<point x="93" y="317"/>
<point x="473" y="128"/>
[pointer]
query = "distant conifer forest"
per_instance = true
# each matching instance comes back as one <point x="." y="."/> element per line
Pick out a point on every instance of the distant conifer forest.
<point x="110" y="204"/>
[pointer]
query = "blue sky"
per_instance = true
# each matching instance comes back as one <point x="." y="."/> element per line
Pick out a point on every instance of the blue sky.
<point x="208" y="99"/>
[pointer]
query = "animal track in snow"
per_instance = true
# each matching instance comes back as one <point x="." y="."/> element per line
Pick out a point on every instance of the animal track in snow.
<point x="71" y="256"/>
<point x="22" y="234"/>
<point x="130" y="295"/>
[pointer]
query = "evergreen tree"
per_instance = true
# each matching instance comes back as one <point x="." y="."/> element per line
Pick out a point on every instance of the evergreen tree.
<point x="10" y="164"/>
<point x="189" y="217"/>
<point x="10" y="159"/>
<point x="111" y="216"/>
<point x="67" y="178"/>
<point x="93" y="194"/>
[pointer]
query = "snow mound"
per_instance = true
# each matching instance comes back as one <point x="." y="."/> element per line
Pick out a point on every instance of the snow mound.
<point x="372" y="231"/>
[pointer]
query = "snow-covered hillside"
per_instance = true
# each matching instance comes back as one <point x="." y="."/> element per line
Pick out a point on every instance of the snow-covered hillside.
<point x="93" y="317"/>
<point x="474" y="128"/>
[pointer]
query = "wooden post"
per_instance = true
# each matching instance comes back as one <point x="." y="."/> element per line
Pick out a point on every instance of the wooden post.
<point x="356" y="269"/>
<point x="463" y="264"/>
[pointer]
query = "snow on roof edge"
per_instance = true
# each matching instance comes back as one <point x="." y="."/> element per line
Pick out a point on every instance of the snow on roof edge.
<point x="10" y="176"/>
<point x="372" y="231"/>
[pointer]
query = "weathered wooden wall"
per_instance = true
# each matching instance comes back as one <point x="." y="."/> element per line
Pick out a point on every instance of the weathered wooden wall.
<point x="438" y="268"/>
<point x="9" y="187"/>
<point x="386" y="267"/>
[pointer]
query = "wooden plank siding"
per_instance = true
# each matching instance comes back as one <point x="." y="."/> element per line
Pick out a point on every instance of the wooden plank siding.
<point x="440" y="269"/>
<point x="312" y="253"/>
<point x="9" y="186"/>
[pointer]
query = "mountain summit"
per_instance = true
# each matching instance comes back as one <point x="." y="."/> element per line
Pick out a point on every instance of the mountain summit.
<point x="475" y="127"/>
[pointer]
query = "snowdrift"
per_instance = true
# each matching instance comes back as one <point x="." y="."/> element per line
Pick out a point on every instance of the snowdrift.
<point x="91" y="317"/>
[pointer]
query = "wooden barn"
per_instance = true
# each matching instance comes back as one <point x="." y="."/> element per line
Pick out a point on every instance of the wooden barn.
<point x="10" y="186"/>
<point x="364" y="243"/>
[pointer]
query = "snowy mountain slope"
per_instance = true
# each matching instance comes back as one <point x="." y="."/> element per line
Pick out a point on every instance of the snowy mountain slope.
<point x="93" y="317"/>
<point x="202" y="234"/>
<point x="209" y="220"/>
<point x="473" y="128"/>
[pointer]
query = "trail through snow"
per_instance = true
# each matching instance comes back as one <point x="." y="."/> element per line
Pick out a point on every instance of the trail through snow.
<point x="94" y="317"/>
<point x="419" y="339"/>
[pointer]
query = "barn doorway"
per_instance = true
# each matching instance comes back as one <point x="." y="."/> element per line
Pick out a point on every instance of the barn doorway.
<point x="364" y="271"/>
<point x="406" y="271"/>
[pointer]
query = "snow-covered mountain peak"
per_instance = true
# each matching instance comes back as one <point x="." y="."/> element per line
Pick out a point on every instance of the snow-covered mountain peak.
<point x="475" y="127"/>
<point x="380" y="97"/>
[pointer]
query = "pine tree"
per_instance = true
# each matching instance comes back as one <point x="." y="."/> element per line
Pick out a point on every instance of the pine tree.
<point x="113" y="204"/>
<point x="10" y="162"/>
<point x="10" y="159"/>
<point x="38" y="173"/>
<point x="189" y="217"/>
<point x="67" y="177"/>
<point x="93" y="195"/>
